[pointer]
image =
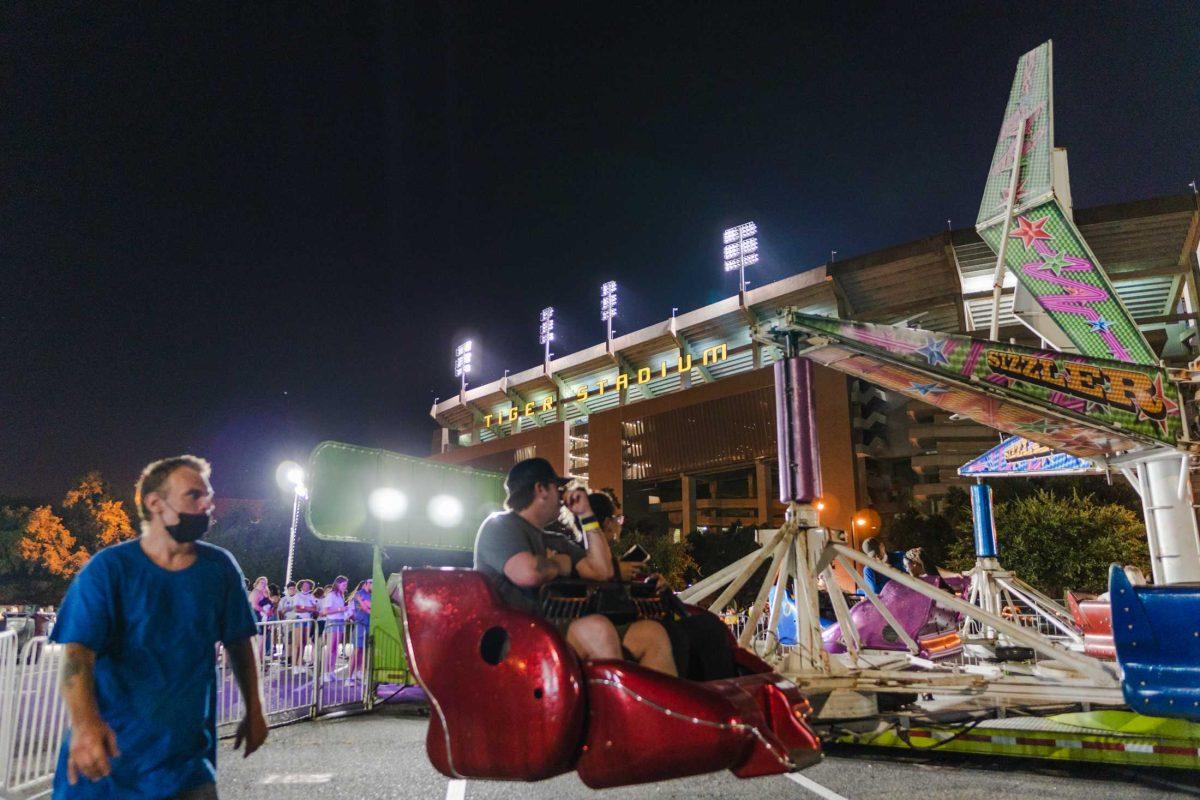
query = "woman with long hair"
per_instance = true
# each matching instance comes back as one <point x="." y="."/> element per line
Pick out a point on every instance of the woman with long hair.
<point x="360" y="609"/>
<point x="334" y="611"/>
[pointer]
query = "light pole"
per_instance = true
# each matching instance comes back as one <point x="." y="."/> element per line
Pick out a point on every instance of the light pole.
<point x="608" y="307"/>
<point x="462" y="365"/>
<point x="546" y="333"/>
<point x="293" y="473"/>
<point x="741" y="251"/>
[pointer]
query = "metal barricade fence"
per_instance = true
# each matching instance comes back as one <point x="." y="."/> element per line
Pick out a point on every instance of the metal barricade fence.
<point x="305" y="669"/>
<point x="9" y="700"/>
<point x="37" y="714"/>
<point x="303" y="672"/>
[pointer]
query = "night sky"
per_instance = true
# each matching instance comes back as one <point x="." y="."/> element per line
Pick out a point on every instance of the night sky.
<point x="239" y="231"/>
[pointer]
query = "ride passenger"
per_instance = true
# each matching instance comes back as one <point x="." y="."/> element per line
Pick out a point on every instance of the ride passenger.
<point x="700" y="642"/>
<point x="517" y="558"/>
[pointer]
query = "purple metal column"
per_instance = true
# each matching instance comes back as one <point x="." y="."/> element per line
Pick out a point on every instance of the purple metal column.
<point x="796" y="429"/>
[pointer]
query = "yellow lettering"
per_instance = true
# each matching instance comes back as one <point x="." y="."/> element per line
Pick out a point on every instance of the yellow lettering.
<point x="548" y="402"/>
<point x="681" y="367"/>
<point x="662" y="370"/>
<point x="512" y="413"/>
<point x="528" y="409"/>
<point x="601" y="384"/>
<point x="487" y="420"/>
<point x="644" y="375"/>
<point x="581" y="393"/>
<point x="623" y="381"/>
<point x="718" y="352"/>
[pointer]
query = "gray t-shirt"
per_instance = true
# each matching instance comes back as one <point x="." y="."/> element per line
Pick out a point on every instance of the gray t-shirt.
<point x="506" y="533"/>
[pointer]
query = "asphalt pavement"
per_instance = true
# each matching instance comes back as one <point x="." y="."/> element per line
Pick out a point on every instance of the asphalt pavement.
<point x="381" y="756"/>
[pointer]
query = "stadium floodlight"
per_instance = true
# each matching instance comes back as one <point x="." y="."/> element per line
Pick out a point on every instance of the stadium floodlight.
<point x="741" y="250"/>
<point x="546" y="330"/>
<point x="608" y="305"/>
<point x="462" y="362"/>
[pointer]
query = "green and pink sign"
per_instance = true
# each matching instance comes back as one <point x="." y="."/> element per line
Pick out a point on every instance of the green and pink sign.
<point x="1045" y="250"/>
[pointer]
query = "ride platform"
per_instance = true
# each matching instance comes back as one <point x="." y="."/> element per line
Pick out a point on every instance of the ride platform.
<point x="1105" y="736"/>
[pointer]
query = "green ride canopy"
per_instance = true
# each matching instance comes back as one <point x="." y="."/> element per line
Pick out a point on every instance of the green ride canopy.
<point x="361" y="494"/>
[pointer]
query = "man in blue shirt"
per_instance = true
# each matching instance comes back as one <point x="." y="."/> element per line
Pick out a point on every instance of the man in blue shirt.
<point x="138" y="628"/>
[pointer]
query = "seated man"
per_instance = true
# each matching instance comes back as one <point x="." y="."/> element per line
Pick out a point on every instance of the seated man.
<point x="513" y="553"/>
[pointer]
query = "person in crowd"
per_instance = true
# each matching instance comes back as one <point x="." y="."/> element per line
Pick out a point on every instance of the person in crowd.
<point x="700" y="643"/>
<point x="138" y="678"/>
<point x="360" y="611"/>
<point x="319" y="597"/>
<point x="260" y="599"/>
<point x="286" y="611"/>
<point x="517" y="558"/>
<point x="304" y="607"/>
<point x="334" y="612"/>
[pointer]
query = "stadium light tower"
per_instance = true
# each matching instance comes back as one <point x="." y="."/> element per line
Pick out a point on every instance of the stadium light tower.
<point x="741" y="251"/>
<point x="462" y="364"/>
<point x="546" y="331"/>
<point x="608" y="306"/>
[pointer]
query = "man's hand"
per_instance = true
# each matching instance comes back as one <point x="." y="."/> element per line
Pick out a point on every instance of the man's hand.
<point x="93" y="743"/>
<point x="252" y="730"/>
<point x="578" y="504"/>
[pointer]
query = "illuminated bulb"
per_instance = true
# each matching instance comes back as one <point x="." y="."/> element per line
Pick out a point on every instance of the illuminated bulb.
<point x="387" y="504"/>
<point x="445" y="511"/>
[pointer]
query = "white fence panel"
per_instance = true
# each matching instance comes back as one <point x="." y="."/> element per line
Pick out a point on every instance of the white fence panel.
<point x="41" y="717"/>
<point x="9" y="701"/>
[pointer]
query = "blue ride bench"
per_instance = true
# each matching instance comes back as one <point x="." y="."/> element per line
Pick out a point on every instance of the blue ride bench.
<point x="1156" y="630"/>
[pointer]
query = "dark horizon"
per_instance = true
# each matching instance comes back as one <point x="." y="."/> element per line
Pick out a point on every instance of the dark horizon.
<point x="242" y="231"/>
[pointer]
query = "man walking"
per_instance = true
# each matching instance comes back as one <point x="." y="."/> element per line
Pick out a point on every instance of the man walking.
<point x="138" y="628"/>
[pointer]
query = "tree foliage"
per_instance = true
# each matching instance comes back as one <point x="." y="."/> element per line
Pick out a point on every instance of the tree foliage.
<point x="94" y="516"/>
<point x="48" y="544"/>
<point x="1058" y="542"/>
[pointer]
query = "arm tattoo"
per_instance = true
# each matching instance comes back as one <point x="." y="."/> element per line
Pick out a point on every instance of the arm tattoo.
<point x="73" y="667"/>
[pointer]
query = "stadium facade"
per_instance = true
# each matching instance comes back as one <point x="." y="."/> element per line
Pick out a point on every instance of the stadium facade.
<point x="678" y="417"/>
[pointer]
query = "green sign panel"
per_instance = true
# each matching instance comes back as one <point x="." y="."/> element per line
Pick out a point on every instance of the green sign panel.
<point x="1031" y="105"/>
<point x="1045" y="250"/>
<point x="359" y="494"/>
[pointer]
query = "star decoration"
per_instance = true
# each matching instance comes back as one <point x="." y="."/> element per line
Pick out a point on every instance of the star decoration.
<point x="1055" y="262"/>
<point x="1044" y="427"/>
<point x="1029" y="230"/>
<point x="934" y="351"/>
<point x="927" y="388"/>
<point x="1100" y="325"/>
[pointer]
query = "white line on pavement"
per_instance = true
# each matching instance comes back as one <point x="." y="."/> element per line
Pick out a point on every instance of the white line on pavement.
<point x="813" y="786"/>
<point x="456" y="790"/>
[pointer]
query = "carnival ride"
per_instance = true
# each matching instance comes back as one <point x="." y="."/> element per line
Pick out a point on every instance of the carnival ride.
<point x="1093" y="397"/>
<point x="490" y="672"/>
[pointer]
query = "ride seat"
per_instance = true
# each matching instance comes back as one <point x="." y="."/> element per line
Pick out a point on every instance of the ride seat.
<point x="511" y="701"/>
<point x="1094" y="618"/>
<point x="1156" y="630"/>
<point x="505" y="690"/>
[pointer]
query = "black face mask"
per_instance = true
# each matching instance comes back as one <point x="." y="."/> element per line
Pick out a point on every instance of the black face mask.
<point x="190" y="526"/>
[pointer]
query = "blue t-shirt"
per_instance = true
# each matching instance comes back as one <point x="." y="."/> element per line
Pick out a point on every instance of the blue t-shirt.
<point x="154" y="634"/>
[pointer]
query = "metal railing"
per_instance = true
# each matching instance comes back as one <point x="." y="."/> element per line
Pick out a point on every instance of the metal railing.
<point x="305" y="670"/>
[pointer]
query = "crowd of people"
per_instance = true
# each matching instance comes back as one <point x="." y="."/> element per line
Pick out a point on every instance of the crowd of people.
<point x="332" y="609"/>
